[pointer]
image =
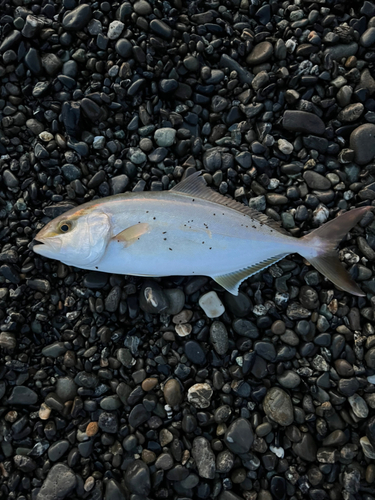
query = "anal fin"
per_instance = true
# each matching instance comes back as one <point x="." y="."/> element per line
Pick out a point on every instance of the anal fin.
<point x="232" y="281"/>
<point x="132" y="234"/>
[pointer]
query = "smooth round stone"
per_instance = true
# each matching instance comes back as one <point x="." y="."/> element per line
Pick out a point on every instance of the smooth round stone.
<point x="161" y="28"/>
<point x="239" y="305"/>
<point x="239" y="436"/>
<point x="61" y="479"/>
<point x="336" y="438"/>
<point x="211" y="305"/>
<point x="137" y="478"/>
<point x="176" y="300"/>
<point x="138" y="416"/>
<point x="110" y="403"/>
<point x="142" y="8"/>
<point x="219" y="337"/>
<point x="289" y="379"/>
<point x="204" y="457"/>
<point x="306" y="448"/>
<point x="191" y="63"/>
<point x="263" y="429"/>
<point x="172" y="392"/>
<point x="95" y="280"/>
<point x="58" y="449"/>
<point x="316" y="181"/>
<point x="362" y="141"/>
<point x="344" y="368"/>
<point x="302" y="121"/>
<point x="278" y="487"/>
<point x="66" y="389"/>
<point x="152" y="298"/>
<point x="123" y="47"/>
<point x="22" y="395"/>
<point x="260" y="53"/>
<point x="90" y="108"/>
<point x="168" y="85"/>
<point x="77" y="18"/>
<point x="339" y="51"/>
<point x="351" y="113"/>
<point x="368" y="38"/>
<point x="278" y="406"/>
<point x="119" y="183"/>
<point x="165" y="137"/>
<point x="194" y="352"/>
<point x="359" y="406"/>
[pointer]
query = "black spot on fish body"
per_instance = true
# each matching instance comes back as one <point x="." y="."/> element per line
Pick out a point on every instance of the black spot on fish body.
<point x="170" y="249"/>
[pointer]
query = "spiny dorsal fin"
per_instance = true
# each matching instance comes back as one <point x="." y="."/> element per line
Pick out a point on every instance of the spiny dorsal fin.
<point x="195" y="185"/>
<point x="232" y="281"/>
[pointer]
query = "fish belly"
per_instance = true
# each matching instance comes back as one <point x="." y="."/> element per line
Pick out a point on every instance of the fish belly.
<point x="182" y="254"/>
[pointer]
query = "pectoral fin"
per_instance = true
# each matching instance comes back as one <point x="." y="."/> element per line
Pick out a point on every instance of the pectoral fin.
<point x="232" y="281"/>
<point x="132" y="234"/>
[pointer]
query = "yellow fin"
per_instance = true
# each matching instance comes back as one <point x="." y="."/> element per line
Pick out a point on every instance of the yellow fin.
<point x="132" y="234"/>
<point x="232" y="281"/>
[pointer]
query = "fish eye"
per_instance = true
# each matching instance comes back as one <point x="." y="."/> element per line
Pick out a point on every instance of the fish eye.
<point x="65" y="227"/>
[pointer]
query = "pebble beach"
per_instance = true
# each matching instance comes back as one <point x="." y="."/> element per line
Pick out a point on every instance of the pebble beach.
<point x="117" y="387"/>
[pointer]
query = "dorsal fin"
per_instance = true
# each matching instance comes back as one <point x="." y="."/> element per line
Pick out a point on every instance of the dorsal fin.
<point x="232" y="281"/>
<point x="195" y="185"/>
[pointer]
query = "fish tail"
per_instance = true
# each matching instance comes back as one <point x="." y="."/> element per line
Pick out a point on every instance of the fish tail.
<point x="320" y="249"/>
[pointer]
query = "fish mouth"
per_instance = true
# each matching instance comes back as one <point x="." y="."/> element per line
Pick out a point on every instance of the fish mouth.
<point x="46" y="248"/>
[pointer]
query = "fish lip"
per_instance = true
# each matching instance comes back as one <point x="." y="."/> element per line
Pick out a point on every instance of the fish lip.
<point x="46" y="247"/>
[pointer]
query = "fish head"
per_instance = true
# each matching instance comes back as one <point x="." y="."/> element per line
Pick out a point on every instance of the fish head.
<point x="78" y="237"/>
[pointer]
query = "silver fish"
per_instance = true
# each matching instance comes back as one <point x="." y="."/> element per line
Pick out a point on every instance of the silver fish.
<point x="188" y="231"/>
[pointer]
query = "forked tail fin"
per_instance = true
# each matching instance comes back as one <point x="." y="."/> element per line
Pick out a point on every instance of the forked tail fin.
<point x="325" y="240"/>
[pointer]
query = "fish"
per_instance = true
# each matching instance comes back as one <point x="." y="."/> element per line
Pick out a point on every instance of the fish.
<point x="190" y="230"/>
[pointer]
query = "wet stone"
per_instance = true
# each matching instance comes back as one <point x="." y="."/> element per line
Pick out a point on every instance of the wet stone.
<point x="137" y="478"/>
<point x="219" y="337"/>
<point x="199" y="395"/>
<point x="59" y="483"/>
<point x="204" y="457"/>
<point x="239" y="436"/>
<point x="108" y="422"/>
<point x="58" y="449"/>
<point x="362" y="141"/>
<point x="306" y="448"/>
<point x="172" y="392"/>
<point x="22" y="395"/>
<point x="302" y="121"/>
<point x="260" y="53"/>
<point x="194" y="352"/>
<point x="278" y="406"/>
<point x="77" y="18"/>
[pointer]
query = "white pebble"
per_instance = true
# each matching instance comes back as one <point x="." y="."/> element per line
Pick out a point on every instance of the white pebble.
<point x="371" y="379"/>
<point x="115" y="29"/>
<point x="44" y="411"/>
<point x="183" y="330"/>
<point x="211" y="305"/>
<point x="46" y="136"/>
<point x="285" y="146"/>
<point x="277" y="450"/>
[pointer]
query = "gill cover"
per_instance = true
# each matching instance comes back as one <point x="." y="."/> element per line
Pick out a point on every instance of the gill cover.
<point x="91" y="237"/>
